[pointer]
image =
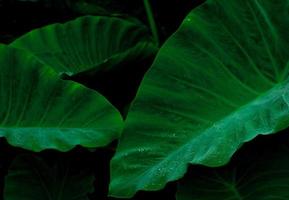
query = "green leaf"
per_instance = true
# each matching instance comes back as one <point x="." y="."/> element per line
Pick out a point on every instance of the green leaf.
<point x="40" y="111"/>
<point x="251" y="176"/>
<point x="218" y="82"/>
<point x="86" y="43"/>
<point x="30" y="178"/>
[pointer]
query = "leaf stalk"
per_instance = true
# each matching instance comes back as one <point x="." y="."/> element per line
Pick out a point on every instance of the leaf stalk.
<point x="151" y="20"/>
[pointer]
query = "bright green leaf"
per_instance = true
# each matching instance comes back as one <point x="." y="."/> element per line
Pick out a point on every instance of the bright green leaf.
<point x="252" y="176"/>
<point x="40" y="111"/>
<point x="30" y="178"/>
<point x="218" y="82"/>
<point x="86" y="43"/>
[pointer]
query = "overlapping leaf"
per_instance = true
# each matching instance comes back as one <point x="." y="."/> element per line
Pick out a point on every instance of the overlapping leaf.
<point x="40" y="111"/>
<point x="30" y="178"/>
<point x="219" y="81"/>
<point x="254" y="175"/>
<point x="87" y="43"/>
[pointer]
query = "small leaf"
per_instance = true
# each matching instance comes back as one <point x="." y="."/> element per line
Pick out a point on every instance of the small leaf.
<point x="40" y="111"/>
<point x="30" y="178"/>
<point x="219" y="81"/>
<point x="86" y="43"/>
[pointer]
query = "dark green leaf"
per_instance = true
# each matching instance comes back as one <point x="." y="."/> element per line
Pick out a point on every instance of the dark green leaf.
<point x="86" y="43"/>
<point x="30" y="178"/>
<point x="218" y="82"/>
<point x="40" y="111"/>
<point x="262" y="174"/>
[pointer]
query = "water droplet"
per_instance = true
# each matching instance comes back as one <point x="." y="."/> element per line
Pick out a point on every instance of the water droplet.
<point x="125" y="155"/>
<point x="141" y="150"/>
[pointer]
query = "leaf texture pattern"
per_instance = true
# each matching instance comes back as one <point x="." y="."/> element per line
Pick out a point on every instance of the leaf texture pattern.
<point x="40" y="111"/>
<point x="86" y="43"/>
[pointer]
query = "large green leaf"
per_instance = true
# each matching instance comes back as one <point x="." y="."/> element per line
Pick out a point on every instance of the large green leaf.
<point x="219" y="81"/>
<point x="86" y="43"/>
<point x="252" y="175"/>
<point x="40" y="111"/>
<point x="30" y="178"/>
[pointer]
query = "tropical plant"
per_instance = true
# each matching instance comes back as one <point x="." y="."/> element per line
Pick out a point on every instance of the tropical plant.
<point x="216" y="84"/>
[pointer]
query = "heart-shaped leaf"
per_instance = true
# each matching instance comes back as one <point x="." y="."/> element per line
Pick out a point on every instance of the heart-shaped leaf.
<point x="218" y="82"/>
<point x="30" y="178"/>
<point x="252" y="175"/>
<point x="86" y="43"/>
<point x="40" y="111"/>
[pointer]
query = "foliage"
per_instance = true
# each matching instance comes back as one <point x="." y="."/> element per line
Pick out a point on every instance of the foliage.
<point x="86" y="43"/>
<point x="44" y="112"/>
<point x="206" y="94"/>
<point x="258" y="175"/>
<point x="217" y="83"/>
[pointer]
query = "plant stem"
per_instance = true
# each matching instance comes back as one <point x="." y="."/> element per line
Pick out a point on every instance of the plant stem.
<point x="151" y="21"/>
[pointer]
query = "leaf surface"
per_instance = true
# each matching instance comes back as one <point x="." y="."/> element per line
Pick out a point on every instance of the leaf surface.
<point x="40" y="111"/>
<point x="219" y="81"/>
<point x="86" y="43"/>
